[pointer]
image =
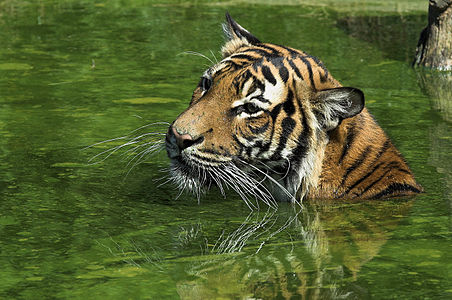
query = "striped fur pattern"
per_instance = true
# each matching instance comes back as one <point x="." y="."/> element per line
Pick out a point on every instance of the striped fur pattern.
<point x="272" y="123"/>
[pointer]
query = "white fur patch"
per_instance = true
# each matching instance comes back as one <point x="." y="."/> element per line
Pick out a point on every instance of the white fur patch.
<point x="273" y="92"/>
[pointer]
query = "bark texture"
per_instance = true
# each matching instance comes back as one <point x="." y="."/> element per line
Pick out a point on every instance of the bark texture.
<point x="434" y="49"/>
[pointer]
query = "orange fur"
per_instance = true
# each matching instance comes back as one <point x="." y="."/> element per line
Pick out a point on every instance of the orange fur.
<point x="278" y="107"/>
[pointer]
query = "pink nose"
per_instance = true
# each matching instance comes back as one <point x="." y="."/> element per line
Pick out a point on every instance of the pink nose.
<point x="183" y="140"/>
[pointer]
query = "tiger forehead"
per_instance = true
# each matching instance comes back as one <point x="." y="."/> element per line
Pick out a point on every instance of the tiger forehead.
<point x="270" y="62"/>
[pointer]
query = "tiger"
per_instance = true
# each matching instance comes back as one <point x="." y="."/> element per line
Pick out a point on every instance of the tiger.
<point x="271" y="123"/>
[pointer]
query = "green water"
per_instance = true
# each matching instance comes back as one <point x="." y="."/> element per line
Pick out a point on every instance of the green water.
<point x="73" y="73"/>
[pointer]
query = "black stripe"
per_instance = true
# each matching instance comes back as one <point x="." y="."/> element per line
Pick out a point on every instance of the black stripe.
<point x="389" y="167"/>
<point x="248" y="151"/>
<point x="396" y="187"/>
<point x="236" y="84"/>
<point x="260" y="85"/>
<point x="308" y="66"/>
<point x="318" y="62"/>
<point x="249" y="138"/>
<point x="268" y="75"/>
<point x="275" y="112"/>
<point x="374" y="183"/>
<point x="302" y="141"/>
<point x="395" y="165"/>
<point x="206" y="159"/>
<point x="278" y="62"/>
<point x="322" y="77"/>
<point x="357" y="163"/>
<point x="283" y="73"/>
<point x="261" y="99"/>
<point x="231" y="65"/>
<point x="261" y="52"/>
<point x="292" y="52"/>
<point x="348" y="141"/>
<point x="383" y="149"/>
<point x="265" y="147"/>
<point x="259" y="130"/>
<point x="360" y="180"/>
<point x="295" y="69"/>
<point x="241" y="146"/>
<point x="252" y="88"/>
<point x="288" y="105"/>
<point x="244" y="56"/>
<point x="287" y="125"/>
<point x="273" y="51"/>
<point x="244" y="78"/>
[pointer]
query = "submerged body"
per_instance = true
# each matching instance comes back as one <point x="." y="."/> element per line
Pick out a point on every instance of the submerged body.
<point x="272" y="123"/>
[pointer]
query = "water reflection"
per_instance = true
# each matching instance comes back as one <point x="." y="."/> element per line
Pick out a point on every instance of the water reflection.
<point x="438" y="86"/>
<point x="327" y="245"/>
<point x="315" y="252"/>
<point x="396" y="35"/>
<point x="72" y="231"/>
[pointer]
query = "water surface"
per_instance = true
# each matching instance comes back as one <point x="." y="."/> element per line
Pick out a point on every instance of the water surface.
<point x="73" y="73"/>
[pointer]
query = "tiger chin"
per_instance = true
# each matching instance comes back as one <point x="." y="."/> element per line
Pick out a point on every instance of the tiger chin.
<point x="271" y="123"/>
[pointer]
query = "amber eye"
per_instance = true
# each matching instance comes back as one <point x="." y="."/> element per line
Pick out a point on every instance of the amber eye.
<point x="251" y="108"/>
<point x="205" y="83"/>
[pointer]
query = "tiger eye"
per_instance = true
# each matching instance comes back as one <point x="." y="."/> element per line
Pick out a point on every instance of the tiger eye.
<point x="251" y="108"/>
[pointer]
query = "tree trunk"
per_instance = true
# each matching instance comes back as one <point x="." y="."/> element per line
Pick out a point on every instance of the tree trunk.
<point x="434" y="49"/>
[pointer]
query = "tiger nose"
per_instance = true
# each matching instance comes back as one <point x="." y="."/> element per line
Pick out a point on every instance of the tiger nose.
<point x="184" y="141"/>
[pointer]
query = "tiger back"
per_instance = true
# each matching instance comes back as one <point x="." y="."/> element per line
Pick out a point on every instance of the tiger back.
<point x="272" y="123"/>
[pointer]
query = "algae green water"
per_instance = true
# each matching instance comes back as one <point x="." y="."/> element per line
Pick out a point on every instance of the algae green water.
<point x="73" y="73"/>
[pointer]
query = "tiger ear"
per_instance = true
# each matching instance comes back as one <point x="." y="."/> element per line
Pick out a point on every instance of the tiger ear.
<point x="236" y="37"/>
<point x="334" y="105"/>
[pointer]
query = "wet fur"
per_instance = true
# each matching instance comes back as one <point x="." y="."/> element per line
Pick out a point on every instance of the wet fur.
<point x="321" y="141"/>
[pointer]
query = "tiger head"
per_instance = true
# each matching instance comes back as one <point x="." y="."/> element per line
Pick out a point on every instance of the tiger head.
<point x="258" y="121"/>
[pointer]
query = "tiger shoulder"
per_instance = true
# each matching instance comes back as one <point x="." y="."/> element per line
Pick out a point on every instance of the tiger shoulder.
<point x="272" y="123"/>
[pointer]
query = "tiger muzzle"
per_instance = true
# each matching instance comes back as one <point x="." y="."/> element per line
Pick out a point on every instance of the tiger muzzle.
<point x="176" y="142"/>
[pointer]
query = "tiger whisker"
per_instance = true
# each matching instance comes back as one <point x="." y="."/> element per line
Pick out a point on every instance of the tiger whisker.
<point x="132" y="150"/>
<point x="288" y="168"/>
<point x="198" y="54"/>
<point x="255" y="186"/>
<point x="214" y="57"/>
<point x="129" y="140"/>
<point x="165" y="182"/>
<point x="250" y="189"/>
<point x="252" y="186"/>
<point x="267" y="167"/>
<point x="151" y="150"/>
<point x="111" y="150"/>
<point x="103" y="142"/>
<point x="151" y="124"/>
<point x="219" y="184"/>
<point x="155" y="146"/>
<point x="230" y="180"/>
<point x="146" y="134"/>
<point x="271" y="179"/>
<point x="235" y="241"/>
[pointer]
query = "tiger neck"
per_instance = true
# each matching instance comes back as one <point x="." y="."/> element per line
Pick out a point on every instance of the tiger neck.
<point x="331" y="166"/>
<point x="359" y="161"/>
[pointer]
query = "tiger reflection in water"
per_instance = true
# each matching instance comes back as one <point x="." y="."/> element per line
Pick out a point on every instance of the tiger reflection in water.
<point x="313" y="253"/>
<point x="275" y="113"/>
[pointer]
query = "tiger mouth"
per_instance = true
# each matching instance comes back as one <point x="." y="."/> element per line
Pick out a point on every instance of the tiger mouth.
<point x="199" y="159"/>
<point x="197" y="174"/>
<point x="196" y="166"/>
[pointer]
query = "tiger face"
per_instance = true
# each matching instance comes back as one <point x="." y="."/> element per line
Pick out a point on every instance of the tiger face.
<point x="255" y="116"/>
<point x="260" y="122"/>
